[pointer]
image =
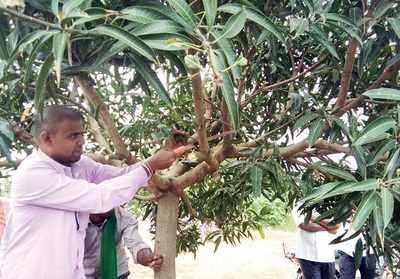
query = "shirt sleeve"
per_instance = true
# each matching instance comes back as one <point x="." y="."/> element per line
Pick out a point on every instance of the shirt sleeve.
<point x="130" y="232"/>
<point x="42" y="185"/>
<point x="100" y="172"/>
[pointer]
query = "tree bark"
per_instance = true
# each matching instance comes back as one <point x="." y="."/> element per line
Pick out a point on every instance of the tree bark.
<point x="165" y="243"/>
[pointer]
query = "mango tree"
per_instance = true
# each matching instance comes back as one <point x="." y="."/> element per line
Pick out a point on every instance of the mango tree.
<point x="280" y="99"/>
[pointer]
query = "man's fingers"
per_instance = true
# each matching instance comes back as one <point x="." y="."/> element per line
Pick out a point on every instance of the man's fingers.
<point x="179" y="151"/>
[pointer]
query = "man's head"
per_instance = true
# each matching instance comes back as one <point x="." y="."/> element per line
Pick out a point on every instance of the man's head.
<point x="59" y="133"/>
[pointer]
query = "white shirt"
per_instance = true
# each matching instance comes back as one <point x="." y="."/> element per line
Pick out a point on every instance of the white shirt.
<point x="49" y="212"/>
<point x="127" y="235"/>
<point x="313" y="246"/>
<point x="349" y="246"/>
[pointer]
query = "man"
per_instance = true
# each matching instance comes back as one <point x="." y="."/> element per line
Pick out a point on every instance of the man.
<point x="315" y="255"/>
<point x="347" y="263"/>
<point x="125" y="234"/>
<point x="54" y="190"/>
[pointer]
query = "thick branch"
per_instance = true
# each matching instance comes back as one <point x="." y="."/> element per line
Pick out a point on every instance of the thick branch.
<point x="90" y="93"/>
<point x="386" y="74"/>
<point x="198" y="97"/>
<point x="346" y="74"/>
<point x="281" y="83"/>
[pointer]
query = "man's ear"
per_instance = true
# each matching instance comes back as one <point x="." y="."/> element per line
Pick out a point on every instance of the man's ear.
<point x="44" y="137"/>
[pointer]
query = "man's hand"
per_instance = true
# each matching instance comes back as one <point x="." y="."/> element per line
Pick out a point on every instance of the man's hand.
<point x="161" y="160"/>
<point x="147" y="258"/>
<point x="332" y="229"/>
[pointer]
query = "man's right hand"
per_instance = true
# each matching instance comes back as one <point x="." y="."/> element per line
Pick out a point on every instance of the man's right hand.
<point x="161" y="160"/>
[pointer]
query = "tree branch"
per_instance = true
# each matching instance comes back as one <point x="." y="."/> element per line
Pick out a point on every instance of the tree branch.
<point x="281" y="83"/>
<point x="198" y="96"/>
<point x="387" y="73"/>
<point x="90" y="93"/>
<point x="346" y="74"/>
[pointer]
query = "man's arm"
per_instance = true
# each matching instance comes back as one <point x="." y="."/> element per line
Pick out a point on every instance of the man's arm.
<point x="140" y="251"/>
<point x="312" y="227"/>
<point x="42" y="185"/>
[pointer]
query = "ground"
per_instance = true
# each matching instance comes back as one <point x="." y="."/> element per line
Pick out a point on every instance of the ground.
<point x="253" y="259"/>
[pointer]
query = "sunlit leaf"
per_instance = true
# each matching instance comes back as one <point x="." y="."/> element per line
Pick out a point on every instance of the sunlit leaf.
<point x="383" y="94"/>
<point x="210" y="8"/>
<point x="368" y="203"/>
<point x="40" y="89"/>
<point x="387" y="206"/>
<point x="132" y="41"/>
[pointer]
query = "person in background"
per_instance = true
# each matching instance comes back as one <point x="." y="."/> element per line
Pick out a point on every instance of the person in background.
<point x="313" y="251"/>
<point x="104" y="251"/>
<point x="347" y="264"/>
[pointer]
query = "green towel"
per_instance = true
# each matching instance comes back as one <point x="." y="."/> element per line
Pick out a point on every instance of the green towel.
<point x="108" y="249"/>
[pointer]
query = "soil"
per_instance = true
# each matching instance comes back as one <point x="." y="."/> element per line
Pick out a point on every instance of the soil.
<point x="252" y="259"/>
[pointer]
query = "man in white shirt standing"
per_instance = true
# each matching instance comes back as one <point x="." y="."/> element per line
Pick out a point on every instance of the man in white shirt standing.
<point x="316" y="256"/>
<point x="347" y="260"/>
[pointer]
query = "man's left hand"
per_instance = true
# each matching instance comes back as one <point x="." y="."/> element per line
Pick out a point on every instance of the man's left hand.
<point x="147" y="258"/>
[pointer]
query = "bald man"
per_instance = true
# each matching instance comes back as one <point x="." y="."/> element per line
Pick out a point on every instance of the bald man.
<point x="53" y="192"/>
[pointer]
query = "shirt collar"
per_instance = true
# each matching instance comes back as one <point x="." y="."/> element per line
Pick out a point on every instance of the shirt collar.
<point x="53" y="162"/>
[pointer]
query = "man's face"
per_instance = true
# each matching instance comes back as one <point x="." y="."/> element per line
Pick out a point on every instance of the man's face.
<point x="65" y="144"/>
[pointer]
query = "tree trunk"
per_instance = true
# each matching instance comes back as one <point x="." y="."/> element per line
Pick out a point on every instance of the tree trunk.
<point x="165" y="244"/>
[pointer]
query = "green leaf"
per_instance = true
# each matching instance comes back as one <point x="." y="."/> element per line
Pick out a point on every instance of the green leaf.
<point x="319" y="36"/>
<point x="3" y="46"/>
<point x="321" y="191"/>
<point x="142" y="15"/>
<point x="387" y="206"/>
<point x="378" y="222"/>
<point x="337" y="172"/>
<point x="358" y="153"/>
<point x="59" y="44"/>
<point x="387" y="147"/>
<point x="30" y="38"/>
<point x="358" y="254"/>
<point x="164" y="26"/>
<point x="88" y="18"/>
<point x="343" y="127"/>
<point x="234" y="25"/>
<point x="305" y="120"/>
<point x="40" y="89"/>
<point x="383" y="94"/>
<point x="229" y="52"/>
<point x="395" y="23"/>
<point x="375" y="130"/>
<point x="264" y="22"/>
<point x="227" y="88"/>
<point x="124" y="36"/>
<point x="54" y="7"/>
<point x="167" y="42"/>
<point x="350" y="187"/>
<point x="368" y="203"/>
<point x="151" y="77"/>
<point x="210" y="8"/>
<point x="392" y="165"/>
<point x="184" y="10"/>
<point x="315" y="131"/>
<point x="256" y="175"/>
<point x="71" y="5"/>
<point x="344" y="24"/>
<point x="6" y="130"/>
<point x="255" y="16"/>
